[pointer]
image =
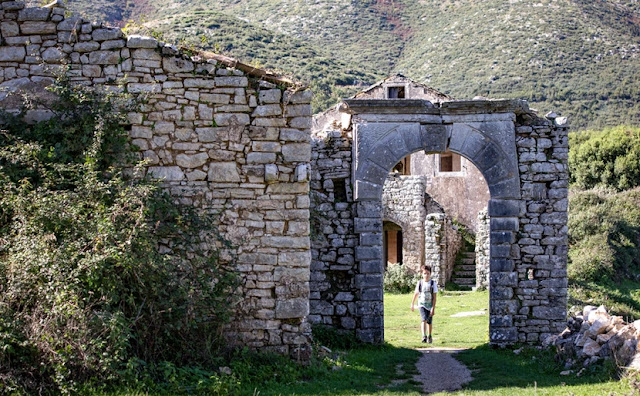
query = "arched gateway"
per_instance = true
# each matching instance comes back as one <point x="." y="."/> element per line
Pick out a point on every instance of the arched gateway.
<point x="523" y="159"/>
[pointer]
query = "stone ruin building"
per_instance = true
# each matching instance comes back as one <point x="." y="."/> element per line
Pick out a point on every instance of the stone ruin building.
<point x="228" y="138"/>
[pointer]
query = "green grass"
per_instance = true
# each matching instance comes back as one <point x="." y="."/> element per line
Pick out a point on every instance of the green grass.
<point x="388" y="369"/>
<point x="402" y="327"/>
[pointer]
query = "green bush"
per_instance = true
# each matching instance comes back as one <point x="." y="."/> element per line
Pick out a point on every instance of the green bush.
<point x="399" y="279"/>
<point x="101" y="274"/>
<point x="609" y="158"/>
<point x="604" y="235"/>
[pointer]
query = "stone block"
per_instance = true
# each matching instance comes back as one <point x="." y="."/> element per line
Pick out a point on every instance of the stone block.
<point x="112" y="44"/>
<point x="434" y="138"/>
<point x="292" y="308"/>
<point x="107" y="34"/>
<point x="177" y="65"/>
<point x="294" y="259"/>
<point x="261" y="158"/>
<point x="501" y="265"/>
<point x="499" y="237"/>
<point x="223" y="172"/>
<point x="505" y="279"/>
<point x="503" y="307"/>
<point x="371" y="267"/>
<point x="368" y="253"/>
<point x="501" y="321"/>
<point x="70" y="24"/>
<point x="192" y="160"/>
<point x="371" y="294"/>
<point x="31" y="28"/>
<point x="267" y="110"/>
<point x="270" y="96"/>
<point x="167" y="173"/>
<point x="547" y="312"/>
<point x="53" y="55"/>
<point x="298" y="97"/>
<point x="232" y="119"/>
<point x="505" y="208"/>
<point x="147" y="54"/>
<point x="499" y="251"/>
<point x="9" y="29"/>
<point x="34" y="14"/>
<point x="108" y="58"/>
<point x="296" y="152"/>
<point x="137" y="41"/>
<point x="504" y="224"/>
<point x="86" y="46"/>
<point x="12" y="54"/>
<point x="231" y="82"/>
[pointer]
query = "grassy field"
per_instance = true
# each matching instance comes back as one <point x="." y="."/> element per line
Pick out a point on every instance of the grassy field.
<point x="388" y="369"/>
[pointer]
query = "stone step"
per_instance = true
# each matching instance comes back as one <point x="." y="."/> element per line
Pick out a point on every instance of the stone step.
<point x="470" y="254"/>
<point x="464" y="267"/>
<point x="468" y="261"/>
<point x="464" y="281"/>
<point x="464" y="274"/>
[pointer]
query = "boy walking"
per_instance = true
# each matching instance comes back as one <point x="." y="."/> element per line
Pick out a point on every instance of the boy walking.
<point x="426" y="290"/>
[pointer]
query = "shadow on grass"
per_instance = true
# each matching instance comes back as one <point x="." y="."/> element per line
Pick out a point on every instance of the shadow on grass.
<point x="502" y="368"/>
<point x="365" y="370"/>
<point x="617" y="297"/>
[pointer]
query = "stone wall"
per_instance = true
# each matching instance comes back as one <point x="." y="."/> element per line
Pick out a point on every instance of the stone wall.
<point x="221" y="139"/>
<point x="539" y="256"/>
<point x="403" y="202"/>
<point x="482" y="250"/>
<point x="332" y="298"/>
<point x="442" y="244"/>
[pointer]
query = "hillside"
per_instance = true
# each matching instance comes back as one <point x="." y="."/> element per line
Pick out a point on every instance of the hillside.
<point x="577" y="57"/>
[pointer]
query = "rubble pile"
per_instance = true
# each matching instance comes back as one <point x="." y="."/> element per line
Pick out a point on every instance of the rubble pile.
<point x="593" y="335"/>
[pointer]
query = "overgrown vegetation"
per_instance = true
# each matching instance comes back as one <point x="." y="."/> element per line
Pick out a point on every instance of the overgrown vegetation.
<point x="604" y="219"/>
<point x="103" y="277"/>
<point x="608" y="158"/>
<point x="399" y="279"/>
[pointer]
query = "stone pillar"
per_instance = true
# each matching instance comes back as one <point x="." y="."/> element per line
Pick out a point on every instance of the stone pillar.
<point x="369" y="278"/>
<point x="504" y="225"/>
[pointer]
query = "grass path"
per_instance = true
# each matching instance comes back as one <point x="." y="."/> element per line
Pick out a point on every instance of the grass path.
<point x="495" y="372"/>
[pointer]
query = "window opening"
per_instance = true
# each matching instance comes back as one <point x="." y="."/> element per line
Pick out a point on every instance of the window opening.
<point x="403" y="167"/>
<point x="450" y="162"/>
<point x="339" y="190"/>
<point x="395" y="92"/>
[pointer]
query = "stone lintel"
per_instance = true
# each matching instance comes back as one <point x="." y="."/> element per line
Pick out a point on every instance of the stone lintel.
<point x="421" y="106"/>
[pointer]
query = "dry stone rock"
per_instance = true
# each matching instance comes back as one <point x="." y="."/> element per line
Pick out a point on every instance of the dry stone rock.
<point x="192" y="161"/>
<point x="12" y="54"/>
<point x="137" y="41"/>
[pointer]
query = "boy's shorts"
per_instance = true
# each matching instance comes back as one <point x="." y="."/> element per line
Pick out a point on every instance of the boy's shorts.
<point x="425" y="313"/>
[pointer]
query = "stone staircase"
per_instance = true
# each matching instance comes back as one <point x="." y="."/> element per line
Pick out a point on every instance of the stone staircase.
<point x="464" y="271"/>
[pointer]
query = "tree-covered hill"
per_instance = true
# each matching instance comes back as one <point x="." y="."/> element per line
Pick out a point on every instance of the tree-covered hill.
<point x="577" y="57"/>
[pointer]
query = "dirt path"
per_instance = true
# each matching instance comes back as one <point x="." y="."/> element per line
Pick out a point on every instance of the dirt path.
<point x="439" y="371"/>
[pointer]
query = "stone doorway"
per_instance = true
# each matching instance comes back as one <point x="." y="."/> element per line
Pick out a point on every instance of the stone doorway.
<point x="487" y="134"/>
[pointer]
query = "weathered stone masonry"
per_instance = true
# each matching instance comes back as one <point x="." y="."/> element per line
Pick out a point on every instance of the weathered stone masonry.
<point x="522" y="157"/>
<point x="229" y="142"/>
<point x="221" y="139"/>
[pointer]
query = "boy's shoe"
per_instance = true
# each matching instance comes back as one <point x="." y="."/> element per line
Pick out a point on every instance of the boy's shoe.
<point x="424" y="339"/>
<point x="430" y="340"/>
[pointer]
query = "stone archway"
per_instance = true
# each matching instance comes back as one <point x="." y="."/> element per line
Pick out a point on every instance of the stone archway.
<point x="485" y="132"/>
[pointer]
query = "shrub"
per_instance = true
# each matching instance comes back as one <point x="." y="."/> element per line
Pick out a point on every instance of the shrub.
<point x="604" y="235"/>
<point x="101" y="274"/>
<point x="399" y="279"/>
<point x="609" y="158"/>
